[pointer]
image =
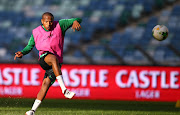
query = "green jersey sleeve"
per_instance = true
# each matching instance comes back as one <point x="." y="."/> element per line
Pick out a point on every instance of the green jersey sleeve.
<point x="67" y="23"/>
<point x="29" y="47"/>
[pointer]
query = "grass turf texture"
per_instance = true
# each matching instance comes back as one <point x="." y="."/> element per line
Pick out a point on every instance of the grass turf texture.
<point x="9" y="106"/>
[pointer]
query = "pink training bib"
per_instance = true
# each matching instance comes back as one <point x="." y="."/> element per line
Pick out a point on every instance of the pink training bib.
<point x="51" y="41"/>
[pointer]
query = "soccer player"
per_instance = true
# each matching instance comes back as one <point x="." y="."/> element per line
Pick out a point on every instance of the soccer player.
<point x="49" y="39"/>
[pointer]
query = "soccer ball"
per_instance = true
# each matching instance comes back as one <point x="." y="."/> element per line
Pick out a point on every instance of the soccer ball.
<point x="160" y="32"/>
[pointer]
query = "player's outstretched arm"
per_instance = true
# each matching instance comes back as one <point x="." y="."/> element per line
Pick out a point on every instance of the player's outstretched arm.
<point x="27" y="49"/>
<point x="76" y="26"/>
<point x="18" y="54"/>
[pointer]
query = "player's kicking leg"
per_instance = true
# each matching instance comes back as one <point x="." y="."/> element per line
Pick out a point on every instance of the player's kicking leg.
<point x="40" y="96"/>
<point x="51" y="60"/>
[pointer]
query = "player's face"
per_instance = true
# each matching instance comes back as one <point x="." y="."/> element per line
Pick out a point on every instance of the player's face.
<point x="47" y="22"/>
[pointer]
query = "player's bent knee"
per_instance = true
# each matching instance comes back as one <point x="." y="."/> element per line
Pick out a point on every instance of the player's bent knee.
<point x="46" y="82"/>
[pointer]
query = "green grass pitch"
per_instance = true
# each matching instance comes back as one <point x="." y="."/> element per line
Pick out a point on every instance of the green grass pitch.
<point x="11" y="106"/>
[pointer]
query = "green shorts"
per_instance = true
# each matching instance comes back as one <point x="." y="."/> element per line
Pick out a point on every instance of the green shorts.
<point x="49" y="73"/>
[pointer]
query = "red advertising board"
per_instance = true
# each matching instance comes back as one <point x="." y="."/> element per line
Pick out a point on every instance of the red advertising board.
<point x="140" y="83"/>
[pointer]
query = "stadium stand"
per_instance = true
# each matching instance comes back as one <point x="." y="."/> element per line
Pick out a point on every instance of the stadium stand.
<point x="113" y="31"/>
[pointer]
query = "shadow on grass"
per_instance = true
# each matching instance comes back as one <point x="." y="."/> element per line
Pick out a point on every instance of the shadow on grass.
<point x="92" y="105"/>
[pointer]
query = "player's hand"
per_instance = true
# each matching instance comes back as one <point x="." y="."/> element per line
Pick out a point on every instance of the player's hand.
<point x="18" y="54"/>
<point x="76" y="26"/>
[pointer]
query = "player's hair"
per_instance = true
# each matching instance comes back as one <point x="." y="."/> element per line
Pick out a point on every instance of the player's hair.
<point x="47" y="13"/>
